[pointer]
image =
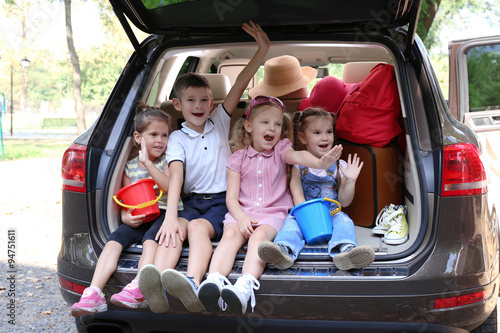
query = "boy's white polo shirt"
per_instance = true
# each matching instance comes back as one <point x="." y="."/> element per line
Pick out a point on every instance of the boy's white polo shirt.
<point x="204" y="155"/>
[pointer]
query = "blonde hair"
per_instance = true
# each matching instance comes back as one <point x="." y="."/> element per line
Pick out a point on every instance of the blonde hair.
<point x="241" y="139"/>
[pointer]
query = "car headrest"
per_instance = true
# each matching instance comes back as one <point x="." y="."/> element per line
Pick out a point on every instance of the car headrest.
<point x="220" y="86"/>
<point x="355" y="72"/>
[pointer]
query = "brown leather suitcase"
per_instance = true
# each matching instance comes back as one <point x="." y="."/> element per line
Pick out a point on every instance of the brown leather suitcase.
<point x="380" y="181"/>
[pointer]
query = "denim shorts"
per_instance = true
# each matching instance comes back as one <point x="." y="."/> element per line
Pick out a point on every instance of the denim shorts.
<point x="126" y="235"/>
<point x="211" y="207"/>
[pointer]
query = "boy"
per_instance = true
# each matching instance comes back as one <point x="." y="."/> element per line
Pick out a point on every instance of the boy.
<point x="200" y="148"/>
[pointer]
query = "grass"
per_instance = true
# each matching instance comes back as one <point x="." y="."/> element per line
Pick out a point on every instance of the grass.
<point x="30" y="124"/>
<point x="20" y="149"/>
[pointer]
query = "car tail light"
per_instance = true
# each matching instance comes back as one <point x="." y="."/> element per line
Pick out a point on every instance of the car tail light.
<point x="463" y="171"/>
<point x="77" y="288"/>
<point x="73" y="168"/>
<point x="449" y="302"/>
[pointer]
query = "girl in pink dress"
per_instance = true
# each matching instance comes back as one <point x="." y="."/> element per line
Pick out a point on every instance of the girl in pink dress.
<point x="257" y="198"/>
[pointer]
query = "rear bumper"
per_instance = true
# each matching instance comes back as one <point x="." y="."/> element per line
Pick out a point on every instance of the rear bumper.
<point x="136" y="321"/>
<point x="310" y="306"/>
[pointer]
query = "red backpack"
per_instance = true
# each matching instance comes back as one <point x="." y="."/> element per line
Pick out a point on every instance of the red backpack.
<point x="371" y="114"/>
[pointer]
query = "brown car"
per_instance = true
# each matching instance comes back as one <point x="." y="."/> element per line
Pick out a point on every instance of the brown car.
<point x="442" y="278"/>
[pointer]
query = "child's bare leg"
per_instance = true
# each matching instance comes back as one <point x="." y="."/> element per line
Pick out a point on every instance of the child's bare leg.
<point x="149" y="248"/>
<point x="150" y="276"/>
<point x="253" y="264"/>
<point x="200" y="232"/>
<point x="106" y="264"/>
<point x="167" y="257"/>
<point x="225" y="253"/>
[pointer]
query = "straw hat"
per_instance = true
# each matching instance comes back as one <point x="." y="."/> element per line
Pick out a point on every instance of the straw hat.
<point x="283" y="75"/>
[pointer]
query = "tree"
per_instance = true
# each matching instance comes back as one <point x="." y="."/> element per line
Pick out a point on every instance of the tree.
<point x="435" y="14"/>
<point x="77" y="74"/>
<point x="19" y="9"/>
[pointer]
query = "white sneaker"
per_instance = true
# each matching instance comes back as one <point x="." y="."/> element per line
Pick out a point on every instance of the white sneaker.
<point x="237" y="296"/>
<point x="385" y="219"/>
<point x="210" y="290"/>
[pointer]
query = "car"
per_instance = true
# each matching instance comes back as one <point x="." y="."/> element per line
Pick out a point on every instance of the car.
<point x="444" y="278"/>
<point x="474" y="74"/>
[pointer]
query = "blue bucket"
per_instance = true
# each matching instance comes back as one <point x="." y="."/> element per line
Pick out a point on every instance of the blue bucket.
<point x="314" y="219"/>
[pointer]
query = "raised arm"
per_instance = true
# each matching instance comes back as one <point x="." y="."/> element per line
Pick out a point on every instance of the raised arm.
<point x="241" y="83"/>
<point x="161" y="178"/>
<point x="348" y="181"/>
<point x="305" y="158"/>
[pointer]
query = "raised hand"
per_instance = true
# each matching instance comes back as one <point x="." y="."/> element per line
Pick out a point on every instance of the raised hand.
<point x="353" y="168"/>
<point x="257" y="33"/>
<point x="143" y="153"/>
<point x="330" y="158"/>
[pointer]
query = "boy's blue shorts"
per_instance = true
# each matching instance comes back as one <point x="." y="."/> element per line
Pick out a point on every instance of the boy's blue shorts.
<point x="126" y="235"/>
<point x="211" y="207"/>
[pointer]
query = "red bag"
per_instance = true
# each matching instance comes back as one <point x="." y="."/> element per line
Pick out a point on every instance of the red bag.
<point x="371" y="114"/>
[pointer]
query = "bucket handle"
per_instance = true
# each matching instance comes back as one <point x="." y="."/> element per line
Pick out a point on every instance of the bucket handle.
<point x="139" y="206"/>
<point x="336" y="210"/>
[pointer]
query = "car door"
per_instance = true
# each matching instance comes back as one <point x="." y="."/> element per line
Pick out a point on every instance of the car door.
<point x="475" y="97"/>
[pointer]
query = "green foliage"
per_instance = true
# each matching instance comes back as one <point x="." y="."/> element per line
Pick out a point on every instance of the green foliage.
<point x="48" y="80"/>
<point x="100" y="70"/>
<point x="151" y="4"/>
<point x="428" y="27"/>
<point x="483" y="64"/>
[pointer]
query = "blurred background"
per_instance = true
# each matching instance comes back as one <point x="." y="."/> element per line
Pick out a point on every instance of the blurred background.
<point x="59" y="59"/>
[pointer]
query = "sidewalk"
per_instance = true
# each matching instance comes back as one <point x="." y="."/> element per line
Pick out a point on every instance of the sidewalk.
<point x="68" y="134"/>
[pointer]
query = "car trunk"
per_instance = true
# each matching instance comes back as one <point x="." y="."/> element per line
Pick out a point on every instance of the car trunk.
<point x="401" y="179"/>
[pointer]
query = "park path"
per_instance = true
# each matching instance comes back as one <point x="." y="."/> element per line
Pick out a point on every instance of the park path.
<point x="30" y="204"/>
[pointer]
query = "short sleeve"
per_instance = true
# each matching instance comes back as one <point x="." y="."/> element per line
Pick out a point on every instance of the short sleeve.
<point x="128" y="166"/>
<point x="175" y="148"/>
<point x="221" y="119"/>
<point x="235" y="160"/>
<point x="282" y="147"/>
<point x="126" y="171"/>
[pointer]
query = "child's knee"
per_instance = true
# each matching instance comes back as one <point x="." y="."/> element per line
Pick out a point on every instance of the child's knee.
<point x="231" y="233"/>
<point x="263" y="233"/>
<point x="113" y="245"/>
<point x="198" y="225"/>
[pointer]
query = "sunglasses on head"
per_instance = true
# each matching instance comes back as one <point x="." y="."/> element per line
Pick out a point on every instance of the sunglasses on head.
<point x="260" y="99"/>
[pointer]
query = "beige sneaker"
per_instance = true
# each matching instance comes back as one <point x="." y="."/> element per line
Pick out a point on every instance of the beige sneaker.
<point x="354" y="257"/>
<point x="275" y="254"/>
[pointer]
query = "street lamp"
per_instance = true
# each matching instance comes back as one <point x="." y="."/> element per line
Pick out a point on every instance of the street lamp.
<point x="25" y="63"/>
<point x="11" y="100"/>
